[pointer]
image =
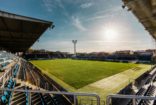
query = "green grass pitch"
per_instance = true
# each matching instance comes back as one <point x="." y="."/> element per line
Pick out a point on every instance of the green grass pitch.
<point x="79" y="73"/>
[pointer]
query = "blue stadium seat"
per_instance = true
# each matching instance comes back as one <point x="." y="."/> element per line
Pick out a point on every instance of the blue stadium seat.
<point x="6" y="93"/>
<point x="4" y="99"/>
<point x="9" y="86"/>
<point x="10" y="80"/>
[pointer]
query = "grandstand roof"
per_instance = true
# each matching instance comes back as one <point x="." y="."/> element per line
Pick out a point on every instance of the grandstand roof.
<point x="145" y="11"/>
<point x="18" y="33"/>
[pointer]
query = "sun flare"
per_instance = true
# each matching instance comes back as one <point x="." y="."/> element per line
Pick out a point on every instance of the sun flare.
<point x="110" y="33"/>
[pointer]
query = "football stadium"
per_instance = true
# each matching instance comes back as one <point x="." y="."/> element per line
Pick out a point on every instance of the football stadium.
<point x="60" y="78"/>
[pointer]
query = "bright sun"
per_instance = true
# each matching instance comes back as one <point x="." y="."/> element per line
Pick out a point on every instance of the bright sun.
<point x="110" y="33"/>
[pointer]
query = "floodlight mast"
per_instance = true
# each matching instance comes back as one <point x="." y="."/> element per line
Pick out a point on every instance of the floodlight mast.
<point x="74" y="42"/>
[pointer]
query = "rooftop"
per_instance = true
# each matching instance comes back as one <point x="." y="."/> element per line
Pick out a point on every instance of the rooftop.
<point x="18" y="33"/>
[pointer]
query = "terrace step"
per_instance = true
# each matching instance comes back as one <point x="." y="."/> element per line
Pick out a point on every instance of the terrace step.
<point x="33" y="87"/>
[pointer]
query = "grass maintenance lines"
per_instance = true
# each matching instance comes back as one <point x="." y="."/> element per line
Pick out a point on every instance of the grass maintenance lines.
<point x="79" y="73"/>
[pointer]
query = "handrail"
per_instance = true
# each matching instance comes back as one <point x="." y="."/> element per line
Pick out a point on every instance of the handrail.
<point x="57" y="93"/>
<point x="51" y="92"/>
<point x="5" y="73"/>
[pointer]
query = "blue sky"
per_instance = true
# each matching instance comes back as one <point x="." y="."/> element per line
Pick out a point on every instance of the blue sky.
<point x="98" y="25"/>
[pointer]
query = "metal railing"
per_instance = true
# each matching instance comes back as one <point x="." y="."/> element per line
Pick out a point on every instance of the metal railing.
<point x="74" y="95"/>
<point x="130" y="97"/>
<point x="90" y="101"/>
<point x="8" y="73"/>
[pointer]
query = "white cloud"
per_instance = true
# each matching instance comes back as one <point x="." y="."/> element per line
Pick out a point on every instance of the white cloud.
<point x="52" y="45"/>
<point x="60" y="4"/>
<point x="108" y="13"/>
<point x="78" y="24"/>
<point x="86" y="5"/>
<point x="52" y="4"/>
<point x="112" y="9"/>
<point x="48" y="5"/>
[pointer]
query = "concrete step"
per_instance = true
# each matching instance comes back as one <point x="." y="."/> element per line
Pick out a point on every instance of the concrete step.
<point x="16" y="100"/>
<point x="33" y="87"/>
<point x="48" y="99"/>
<point x="35" y="98"/>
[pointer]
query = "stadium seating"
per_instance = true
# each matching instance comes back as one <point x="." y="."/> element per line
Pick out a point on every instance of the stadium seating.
<point x="5" y="98"/>
<point x="150" y="92"/>
<point x="21" y="98"/>
<point x="26" y="73"/>
<point x="15" y="70"/>
<point x="28" y="77"/>
<point x="148" y="89"/>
